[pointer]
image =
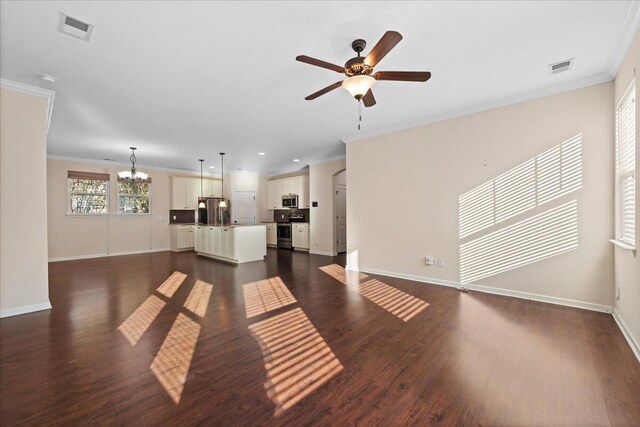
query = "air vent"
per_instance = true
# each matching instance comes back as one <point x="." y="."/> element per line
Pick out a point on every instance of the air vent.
<point x="561" y="66"/>
<point x="75" y="27"/>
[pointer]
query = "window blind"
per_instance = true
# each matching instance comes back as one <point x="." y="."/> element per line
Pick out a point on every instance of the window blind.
<point x="88" y="175"/>
<point x="626" y="166"/>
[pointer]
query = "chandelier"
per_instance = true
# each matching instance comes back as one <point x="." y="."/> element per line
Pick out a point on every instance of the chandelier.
<point x="132" y="175"/>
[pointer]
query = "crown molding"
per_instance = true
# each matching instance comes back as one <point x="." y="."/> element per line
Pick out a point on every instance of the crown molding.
<point x="47" y="94"/>
<point x="138" y="166"/>
<point x="330" y="159"/>
<point x="625" y="38"/>
<point x="503" y="102"/>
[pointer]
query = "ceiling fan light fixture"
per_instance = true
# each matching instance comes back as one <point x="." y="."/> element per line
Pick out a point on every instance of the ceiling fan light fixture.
<point x="357" y="86"/>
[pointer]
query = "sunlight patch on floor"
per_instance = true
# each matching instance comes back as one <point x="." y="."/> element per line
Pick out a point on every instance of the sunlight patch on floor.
<point x="296" y="358"/>
<point x="396" y="302"/>
<point x="345" y="277"/>
<point x="171" y="364"/>
<point x="198" y="299"/>
<point x="266" y="295"/>
<point x="171" y="285"/>
<point x="135" y="326"/>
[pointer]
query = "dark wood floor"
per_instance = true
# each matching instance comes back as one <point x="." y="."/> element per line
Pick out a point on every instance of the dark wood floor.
<point x="465" y="359"/>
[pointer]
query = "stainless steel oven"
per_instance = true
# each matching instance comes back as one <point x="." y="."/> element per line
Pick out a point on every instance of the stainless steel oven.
<point x="284" y="235"/>
<point x="290" y="201"/>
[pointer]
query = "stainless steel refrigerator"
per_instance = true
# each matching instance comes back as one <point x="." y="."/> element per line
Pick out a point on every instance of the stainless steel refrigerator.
<point x="213" y="213"/>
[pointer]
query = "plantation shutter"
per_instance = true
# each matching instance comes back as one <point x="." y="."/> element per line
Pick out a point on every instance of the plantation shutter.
<point x="626" y="167"/>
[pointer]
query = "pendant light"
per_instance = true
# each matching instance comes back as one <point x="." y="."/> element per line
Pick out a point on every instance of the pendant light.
<point x="201" y="204"/>
<point x="223" y="203"/>
<point x="132" y="175"/>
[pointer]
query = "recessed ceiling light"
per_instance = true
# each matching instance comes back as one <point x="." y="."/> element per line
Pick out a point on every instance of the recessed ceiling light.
<point x="296" y="160"/>
<point x="212" y="167"/>
<point x="261" y="153"/>
<point x="48" y="78"/>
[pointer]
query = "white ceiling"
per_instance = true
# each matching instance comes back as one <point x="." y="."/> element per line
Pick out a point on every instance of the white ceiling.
<point x="187" y="80"/>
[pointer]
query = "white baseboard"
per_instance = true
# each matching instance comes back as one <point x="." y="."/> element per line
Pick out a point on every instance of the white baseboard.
<point x="76" y="257"/>
<point x="314" y="252"/>
<point x="25" y="309"/>
<point x="634" y="342"/>
<point x="497" y="291"/>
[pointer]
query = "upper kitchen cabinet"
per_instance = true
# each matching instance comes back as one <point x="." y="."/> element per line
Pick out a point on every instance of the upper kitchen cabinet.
<point x="184" y="192"/>
<point x="212" y="188"/>
<point x="303" y="199"/>
<point x="292" y="185"/>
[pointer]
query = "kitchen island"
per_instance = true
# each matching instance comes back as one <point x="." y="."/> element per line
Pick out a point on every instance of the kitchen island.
<point x="231" y="243"/>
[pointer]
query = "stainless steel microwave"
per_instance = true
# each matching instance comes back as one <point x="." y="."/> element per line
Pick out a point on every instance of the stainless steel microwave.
<point x="290" y="201"/>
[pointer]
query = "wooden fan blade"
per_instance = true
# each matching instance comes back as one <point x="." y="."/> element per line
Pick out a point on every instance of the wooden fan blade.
<point x="403" y="76"/>
<point x="388" y="41"/>
<point x="323" y="91"/>
<point x="319" y="63"/>
<point x="368" y="99"/>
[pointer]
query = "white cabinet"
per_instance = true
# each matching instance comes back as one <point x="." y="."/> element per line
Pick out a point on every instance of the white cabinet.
<point x="212" y="188"/>
<point x="184" y="192"/>
<point x="182" y="237"/>
<point x="272" y="235"/>
<point x="303" y="199"/>
<point x="300" y="236"/>
<point x="233" y="244"/>
<point x="275" y="192"/>
<point x="292" y="185"/>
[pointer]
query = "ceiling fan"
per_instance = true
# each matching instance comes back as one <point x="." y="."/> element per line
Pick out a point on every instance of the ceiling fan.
<point x="359" y="70"/>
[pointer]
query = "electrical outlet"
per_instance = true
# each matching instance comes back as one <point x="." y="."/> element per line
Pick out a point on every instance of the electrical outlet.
<point x="440" y="262"/>
<point x="174" y="217"/>
<point x="430" y="260"/>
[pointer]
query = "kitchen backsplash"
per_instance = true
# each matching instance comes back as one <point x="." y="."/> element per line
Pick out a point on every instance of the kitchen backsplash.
<point x="182" y="216"/>
<point x="282" y="215"/>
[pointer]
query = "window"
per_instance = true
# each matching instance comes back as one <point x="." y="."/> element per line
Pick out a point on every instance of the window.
<point x="88" y="192"/>
<point x="626" y="167"/>
<point x="133" y="197"/>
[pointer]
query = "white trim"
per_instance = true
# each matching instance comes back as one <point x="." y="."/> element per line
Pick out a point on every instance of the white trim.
<point x="625" y="38"/>
<point x="634" y="343"/>
<point x="497" y="291"/>
<point x="47" y="94"/>
<point x="325" y="253"/>
<point x="515" y="99"/>
<point x="196" y="174"/>
<point x="25" y="309"/>
<point x="102" y="255"/>
<point x="624" y="245"/>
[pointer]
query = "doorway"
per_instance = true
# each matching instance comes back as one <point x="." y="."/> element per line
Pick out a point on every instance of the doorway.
<point x="340" y="203"/>
<point x="244" y="207"/>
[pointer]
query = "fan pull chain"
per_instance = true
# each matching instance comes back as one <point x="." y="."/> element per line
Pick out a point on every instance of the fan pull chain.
<point x="359" y="113"/>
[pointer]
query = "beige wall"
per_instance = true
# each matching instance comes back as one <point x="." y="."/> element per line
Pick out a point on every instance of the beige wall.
<point x="73" y="236"/>
<point x="24" y="281"/>
<point x="627" y="267"/>
<point x="403" y="191"/>
<point x="321" y="225"/>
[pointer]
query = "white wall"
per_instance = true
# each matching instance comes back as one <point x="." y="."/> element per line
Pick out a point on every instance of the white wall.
<point x="24" y="278"/>
<point x="403" y="191"/>
<point x="321" y="225"/>
<point x="627" y="267"/>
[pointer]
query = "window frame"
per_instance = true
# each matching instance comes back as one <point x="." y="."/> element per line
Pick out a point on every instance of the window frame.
<point x="622" y="175"/>
<point x="107" y="195"/>
<point x="148" y="182"/>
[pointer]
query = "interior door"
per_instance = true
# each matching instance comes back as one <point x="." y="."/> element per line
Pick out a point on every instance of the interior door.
<point x="341" y="218"/>
<point x="244" y="207"/>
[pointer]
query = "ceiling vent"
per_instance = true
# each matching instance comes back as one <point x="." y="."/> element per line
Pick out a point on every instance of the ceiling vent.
<point x="75" y="27"/>
<point x="561" y="66"/>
